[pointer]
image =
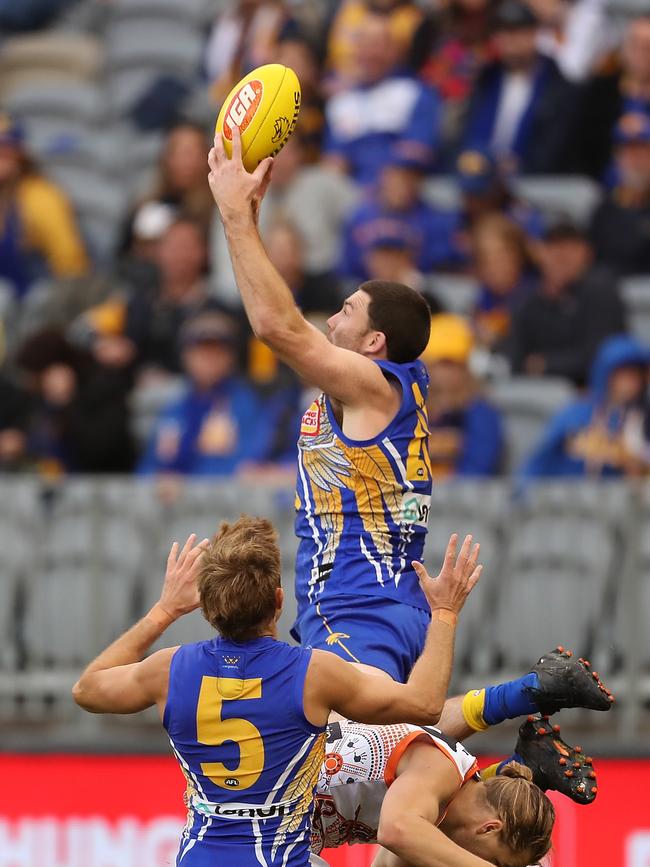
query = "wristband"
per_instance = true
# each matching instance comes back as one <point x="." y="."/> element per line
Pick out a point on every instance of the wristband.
<point x="159" y="616"/>
<point x="445" y="616"/>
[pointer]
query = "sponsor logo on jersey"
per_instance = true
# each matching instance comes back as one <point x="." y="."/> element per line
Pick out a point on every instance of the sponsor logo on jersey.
<point x="243" y="108"/>
<point x="416" y="509"/>
<point x="243" y="811"/>
<point x="310" y="426"/>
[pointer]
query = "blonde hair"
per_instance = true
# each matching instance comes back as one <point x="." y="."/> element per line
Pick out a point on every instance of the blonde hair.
<point x="527" y="814"/>
<point x="239" y="577"/>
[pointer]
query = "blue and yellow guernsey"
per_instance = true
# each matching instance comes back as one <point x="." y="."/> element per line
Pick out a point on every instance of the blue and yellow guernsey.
<point x="251" y="759"/>
<point x="363" y="507"/>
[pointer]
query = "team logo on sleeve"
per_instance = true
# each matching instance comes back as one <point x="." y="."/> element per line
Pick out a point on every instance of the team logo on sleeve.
<point x="310" y="426"/>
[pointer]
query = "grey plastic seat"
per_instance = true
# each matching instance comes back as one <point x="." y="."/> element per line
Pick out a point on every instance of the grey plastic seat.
<point x="528" y="403"/>
<point x="573" y="196"/>
<point x="147" y="402"/>
<point x="456" y="292"/>
<point x="636" y="295"/>
<point x="564" y="552"/>
<point x="155" y="44"/>
<point x="80" y="103"/>
<point x="190" y="11"/>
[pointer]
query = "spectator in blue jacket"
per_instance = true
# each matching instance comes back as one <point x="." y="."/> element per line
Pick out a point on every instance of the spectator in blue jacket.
<point x="396" y="207"/>
<point x="387" y="105"/>
<point x="466" y="436"/>
<point x="599" y="435"/>
<point x="521" y="107"/>
<point x="219" y="423"/>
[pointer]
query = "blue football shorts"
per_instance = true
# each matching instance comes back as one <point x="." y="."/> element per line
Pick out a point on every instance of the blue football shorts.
<point x="380" y="632"/>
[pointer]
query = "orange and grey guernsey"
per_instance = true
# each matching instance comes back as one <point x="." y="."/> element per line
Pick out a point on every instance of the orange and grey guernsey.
<point x="235" y="720"/>
<point x="360" y="766"/>
<point x="363" y="506"/>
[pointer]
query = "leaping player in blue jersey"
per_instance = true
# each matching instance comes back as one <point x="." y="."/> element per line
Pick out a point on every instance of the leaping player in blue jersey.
<point x="364" y="477"/>
<point x="246" y="713"/>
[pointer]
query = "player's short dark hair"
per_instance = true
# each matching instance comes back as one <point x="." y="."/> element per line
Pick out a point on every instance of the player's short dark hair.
<point x="402" y="314"/>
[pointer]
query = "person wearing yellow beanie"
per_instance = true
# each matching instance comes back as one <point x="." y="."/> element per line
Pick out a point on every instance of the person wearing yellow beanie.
<point x="466" y="430"/>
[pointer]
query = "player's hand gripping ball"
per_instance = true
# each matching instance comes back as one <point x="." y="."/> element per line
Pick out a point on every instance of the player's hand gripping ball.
<point x="265" y="106"/>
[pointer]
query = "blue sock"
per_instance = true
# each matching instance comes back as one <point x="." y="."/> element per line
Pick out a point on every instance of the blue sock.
<point x="509" y="700"/>
<point x="515" y="757"/>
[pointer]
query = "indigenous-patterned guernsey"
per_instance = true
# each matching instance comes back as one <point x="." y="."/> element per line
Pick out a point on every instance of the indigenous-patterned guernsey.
<point x="360" y="764"/>
<point x="251" y="759"/>
<point x="363" y="507"/>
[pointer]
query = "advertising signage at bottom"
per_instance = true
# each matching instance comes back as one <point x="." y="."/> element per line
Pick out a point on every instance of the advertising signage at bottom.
<point x="124" y="811"/>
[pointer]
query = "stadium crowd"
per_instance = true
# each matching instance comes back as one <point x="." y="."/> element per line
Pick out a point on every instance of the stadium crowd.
<point x="141" y="361"/>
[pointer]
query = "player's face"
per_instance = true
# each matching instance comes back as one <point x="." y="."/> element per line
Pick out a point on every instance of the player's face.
<point x="350" y="328"/>
<point x="487" y="844"/>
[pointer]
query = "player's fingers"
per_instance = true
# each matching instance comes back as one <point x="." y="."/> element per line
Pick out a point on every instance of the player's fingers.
<point x="463" y="554"/>
<point x="219" y="148"/>
<point x="171" y="557"/>
<point x="198" y="551"/>
<point x="236" y="144"/>
<point x="420" y="571"/>
<point x="474" y="578"/>
<point x="473" y="559"/>
<point x="450" y="553"/>
<point x="187" y="547"/>
<point x="213" y="159"/>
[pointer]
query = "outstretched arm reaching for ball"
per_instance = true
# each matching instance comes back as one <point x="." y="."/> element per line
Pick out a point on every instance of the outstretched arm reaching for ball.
<point x="272" y="312"/>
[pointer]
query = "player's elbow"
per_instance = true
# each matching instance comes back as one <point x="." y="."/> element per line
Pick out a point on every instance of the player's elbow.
<point x="428" y="712"/>
<point x="393" y="832"/>
<point x="81" y="696"/>
<point x="278" y="331"/>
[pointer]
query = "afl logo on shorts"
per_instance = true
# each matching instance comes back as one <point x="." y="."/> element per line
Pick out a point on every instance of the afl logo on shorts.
<point x="232" y="782"/>
<point x="310" y="426"/>
<point x="243" y="107"/>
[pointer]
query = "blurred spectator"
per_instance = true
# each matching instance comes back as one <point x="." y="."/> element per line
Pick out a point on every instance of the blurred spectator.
<point x="403" y="17"/>
<point x="577" y="34"/>
<point x="485" y="190"/>
<point x="218" y="423"/>
<point x="503" y="267"/>
<point x="621" y="225"/>
<point x="15" y="405"/>
<point x="384" y="107"/>
<point x="598" y="435"/>
<point x="181" y="182"/>
<point x="308" y="196"/>
<point x="137" y="267"/>
<point x="155" y="315"/>
<point x="518" y="99"/>
<point x="296" y="51"/>
<point x="466" y="430"/>
<point x="612" y="93"/>
<point x="244" y="36"/>
<point x="38" y="234"/>
<point x="79" y="420"/>
<point x="557" y="330"/>
<point x="397" y="208"/>
<point x="460" y="47"/>
<point x="29" y="14"/>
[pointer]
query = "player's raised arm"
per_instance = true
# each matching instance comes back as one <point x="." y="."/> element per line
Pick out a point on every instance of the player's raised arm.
<point x="119" y="680"/>
<point x="347" y="376"/>
<point x="335" y="684"/>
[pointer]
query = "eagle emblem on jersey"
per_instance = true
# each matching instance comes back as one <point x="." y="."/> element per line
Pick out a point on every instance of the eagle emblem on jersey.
<point x="300" y="792"/>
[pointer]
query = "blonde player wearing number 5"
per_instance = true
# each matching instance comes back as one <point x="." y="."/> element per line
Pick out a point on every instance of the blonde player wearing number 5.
<point x="246" y="713"/>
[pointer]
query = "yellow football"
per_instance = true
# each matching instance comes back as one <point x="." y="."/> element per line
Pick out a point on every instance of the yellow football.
<point x="265" y="106"/>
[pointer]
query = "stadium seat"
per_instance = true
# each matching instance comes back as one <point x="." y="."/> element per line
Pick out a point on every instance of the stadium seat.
<point x="77" y="103"/>
<point x="528" y="403"/>
<point x="636" y="295"/>
<point x="155" y="45"/>
<point x="148" y="401"/>
<point x="455" y="292"/>
<point x="50" y="56"/>
<point x="564" y="550"/>
<point x="195" y="12"/>
<point x="571" y="196"/>
<point x="478" y="508"/>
